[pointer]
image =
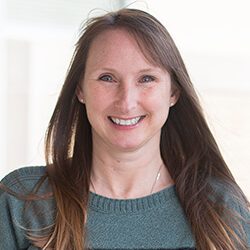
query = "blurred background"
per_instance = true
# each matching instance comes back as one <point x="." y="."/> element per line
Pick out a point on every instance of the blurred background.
<point x="37" y="40"/>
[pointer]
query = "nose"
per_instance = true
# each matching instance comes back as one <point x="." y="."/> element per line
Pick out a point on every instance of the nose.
<point x="127" y="98"/>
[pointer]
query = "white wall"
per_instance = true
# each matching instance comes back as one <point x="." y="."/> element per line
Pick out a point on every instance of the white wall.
<point x="3" y="96"/>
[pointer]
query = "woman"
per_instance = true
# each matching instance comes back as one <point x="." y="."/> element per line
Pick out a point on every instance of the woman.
<point x="131" y="162"/>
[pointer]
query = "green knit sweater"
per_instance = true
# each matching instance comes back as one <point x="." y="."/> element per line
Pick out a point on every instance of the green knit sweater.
<point x="156" y="221"/>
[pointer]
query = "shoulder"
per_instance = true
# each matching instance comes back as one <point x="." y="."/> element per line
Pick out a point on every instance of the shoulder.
<point x="234" y="202"/>
<point x="23" y="179"/>
<point x="25" y="206"/>
<point x="24" y="173"/>
<point x="228" y="194"/>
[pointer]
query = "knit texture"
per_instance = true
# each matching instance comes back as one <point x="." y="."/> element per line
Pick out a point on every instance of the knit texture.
<point x="152" y="222"/>
<point x="156" y="221"/>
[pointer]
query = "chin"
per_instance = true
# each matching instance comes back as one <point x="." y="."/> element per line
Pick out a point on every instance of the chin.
<point x="127" y="146"/>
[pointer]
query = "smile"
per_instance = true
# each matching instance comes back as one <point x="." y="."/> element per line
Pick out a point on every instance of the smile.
<point x="126" y="122"/>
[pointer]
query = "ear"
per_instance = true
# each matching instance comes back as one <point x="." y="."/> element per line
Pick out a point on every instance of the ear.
<point x="175" y="94"/>
<point x="79" y="93"/>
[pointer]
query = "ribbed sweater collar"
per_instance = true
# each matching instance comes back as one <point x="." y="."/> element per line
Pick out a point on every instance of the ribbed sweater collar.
<point x="108" y="205"/>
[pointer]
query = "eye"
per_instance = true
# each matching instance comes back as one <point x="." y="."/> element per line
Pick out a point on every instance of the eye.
<point x="106" y="78"/>
<point x="147" y="78"/>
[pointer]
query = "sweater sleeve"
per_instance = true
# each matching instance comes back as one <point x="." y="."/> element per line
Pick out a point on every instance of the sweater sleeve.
<point x="243" y="211"/>
<point x="235" y="204"/>
<point x="246" y="225"/>
<point x="19" y="217"/>
<point x="12" y="236"/>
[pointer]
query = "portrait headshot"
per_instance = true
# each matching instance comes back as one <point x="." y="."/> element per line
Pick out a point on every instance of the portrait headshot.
<point x="129" y="132"/>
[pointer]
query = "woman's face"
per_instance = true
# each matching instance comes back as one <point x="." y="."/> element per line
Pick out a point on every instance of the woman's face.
<point x="127" y="98"/>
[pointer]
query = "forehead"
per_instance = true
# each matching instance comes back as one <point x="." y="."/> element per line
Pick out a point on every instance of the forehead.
<point x="113" y="37"/>
<point x="116" y="45"/>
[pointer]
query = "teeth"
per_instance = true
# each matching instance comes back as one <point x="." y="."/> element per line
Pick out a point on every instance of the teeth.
<point x="125" y="122"/>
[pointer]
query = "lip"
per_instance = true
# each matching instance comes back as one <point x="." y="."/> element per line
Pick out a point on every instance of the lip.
<point x="126" y="118"/>
<point x="126" y="127"/>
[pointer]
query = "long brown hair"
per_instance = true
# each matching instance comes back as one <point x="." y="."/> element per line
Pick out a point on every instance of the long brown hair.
<point x="187" y="145"/>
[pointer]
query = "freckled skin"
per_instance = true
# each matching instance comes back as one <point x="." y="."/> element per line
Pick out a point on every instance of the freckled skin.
<point x="121" y="83"/>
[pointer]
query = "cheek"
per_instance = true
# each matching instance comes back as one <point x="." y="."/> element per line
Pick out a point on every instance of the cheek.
<point x="158" y="99"/>
<point x="158" y="106"/>
<point x="96" y="101"/>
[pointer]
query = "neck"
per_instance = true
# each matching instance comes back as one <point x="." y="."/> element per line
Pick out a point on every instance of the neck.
<point x="128" y="175"/>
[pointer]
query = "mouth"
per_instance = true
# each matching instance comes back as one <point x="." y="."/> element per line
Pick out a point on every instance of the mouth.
<point x="126" y="122"/>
